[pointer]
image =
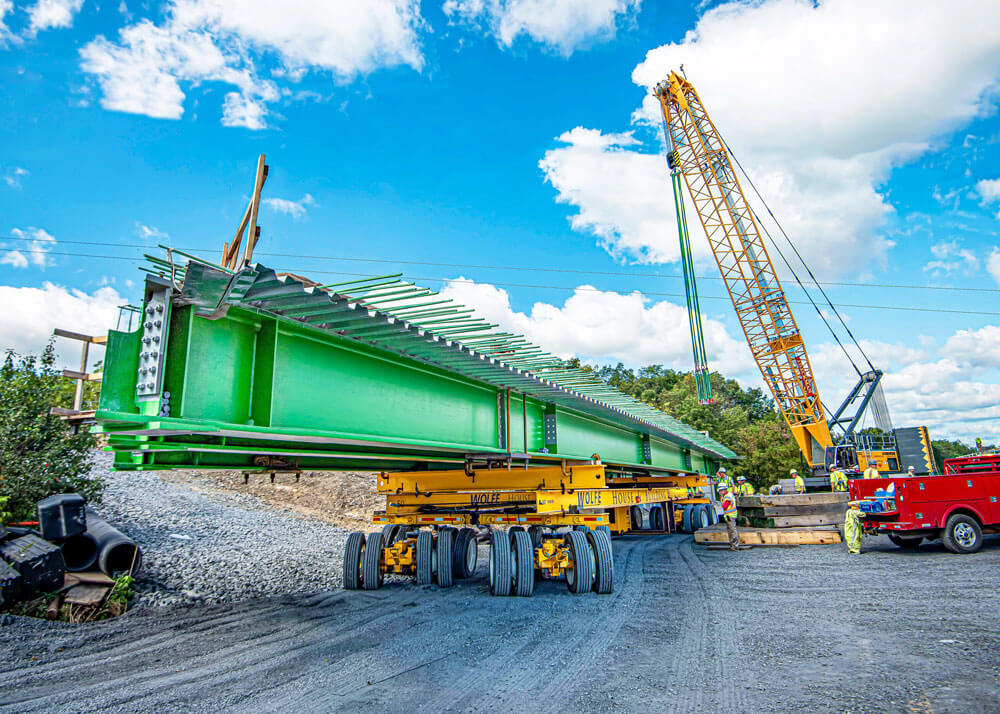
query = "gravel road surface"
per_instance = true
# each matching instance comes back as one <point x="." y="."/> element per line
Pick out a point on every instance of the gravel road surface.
<point x="809" y="629"/>
<point x="202" y="544"/>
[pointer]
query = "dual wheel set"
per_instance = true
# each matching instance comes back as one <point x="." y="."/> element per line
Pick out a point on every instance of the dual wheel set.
<point x="441" y="555"/>
<point x="518" y="557"/>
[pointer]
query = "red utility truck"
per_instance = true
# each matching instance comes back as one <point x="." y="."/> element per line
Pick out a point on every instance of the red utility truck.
<point x="957" y="506"/>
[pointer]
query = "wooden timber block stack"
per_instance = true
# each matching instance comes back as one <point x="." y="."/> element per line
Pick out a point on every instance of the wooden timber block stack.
<point x="788" y="519"/>
<point x="813" y="535"/>
<point x="793" y="510"/>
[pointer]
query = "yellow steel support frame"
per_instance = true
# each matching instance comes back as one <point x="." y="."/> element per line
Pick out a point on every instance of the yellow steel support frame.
<point x="579" y="494"/>
<point x="743" y="260"/>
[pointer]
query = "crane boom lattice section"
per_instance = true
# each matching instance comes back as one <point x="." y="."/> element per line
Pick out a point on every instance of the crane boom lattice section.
<point x="743" y="260"/>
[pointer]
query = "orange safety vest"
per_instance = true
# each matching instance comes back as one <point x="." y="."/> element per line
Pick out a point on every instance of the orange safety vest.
<point x="729" y="505"/>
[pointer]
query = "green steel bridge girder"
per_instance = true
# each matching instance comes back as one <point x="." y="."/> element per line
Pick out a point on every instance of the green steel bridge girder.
<point x="251" y="389"/>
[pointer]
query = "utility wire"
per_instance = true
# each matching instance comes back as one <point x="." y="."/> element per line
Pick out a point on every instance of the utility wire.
<point x="520" y="268"/>
<point x="570" y="288"/>
<point x="797" y="254"/>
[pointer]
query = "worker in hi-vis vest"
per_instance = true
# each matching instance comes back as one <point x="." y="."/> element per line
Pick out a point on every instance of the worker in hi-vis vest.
<point x="800" y="485"/>
<point x="722" y="477"/>
<point x="729" y="512"/>
<point x="838" y="480"/>
<point x="871" y="471"/>
<point x="853" y="528"/>
<point x="744" y="487"/>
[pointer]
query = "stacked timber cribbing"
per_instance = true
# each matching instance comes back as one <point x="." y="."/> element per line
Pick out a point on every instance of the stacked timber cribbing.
<point x="793" y="519"/>
<point x="812" y="535"/>
<point x="793" y="510"/>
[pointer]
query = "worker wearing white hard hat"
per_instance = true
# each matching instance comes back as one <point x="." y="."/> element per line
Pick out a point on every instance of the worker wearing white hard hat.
<point x="727" y="500"/>
<point x="722" y="477"/>
<point x="911" y="471"/>
<point x="800" y="485"/>
<point x="744" y="487"/>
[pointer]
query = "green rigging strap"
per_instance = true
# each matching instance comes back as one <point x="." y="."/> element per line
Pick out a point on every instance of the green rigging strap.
<point x="701" y="373"/>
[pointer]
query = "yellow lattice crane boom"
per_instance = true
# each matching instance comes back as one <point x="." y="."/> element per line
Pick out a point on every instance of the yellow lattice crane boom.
<point x="747" y="270"/>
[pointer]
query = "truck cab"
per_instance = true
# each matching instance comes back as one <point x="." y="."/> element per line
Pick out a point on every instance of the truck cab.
<point x="957" y="506"/>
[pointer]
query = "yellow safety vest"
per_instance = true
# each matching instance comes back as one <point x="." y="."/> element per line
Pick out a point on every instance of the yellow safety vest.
<point x="745" y="489"/>
<point x="800" y="485"/>
<point x="871" y="472"/>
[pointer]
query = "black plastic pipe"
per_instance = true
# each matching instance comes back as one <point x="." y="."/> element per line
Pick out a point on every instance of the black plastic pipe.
<point x="80" y="552"/>
<point x="117" y="553"/>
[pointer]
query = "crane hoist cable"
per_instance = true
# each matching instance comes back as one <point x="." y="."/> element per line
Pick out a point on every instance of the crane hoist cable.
<point x="801" y="260"/>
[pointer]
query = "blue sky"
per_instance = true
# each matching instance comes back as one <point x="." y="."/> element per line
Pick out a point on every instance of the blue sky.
<point x="520" y="133"/>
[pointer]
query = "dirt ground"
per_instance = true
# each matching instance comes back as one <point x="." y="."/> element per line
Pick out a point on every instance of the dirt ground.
<point x="808" y="629"/>
<point x="345" y="499"/>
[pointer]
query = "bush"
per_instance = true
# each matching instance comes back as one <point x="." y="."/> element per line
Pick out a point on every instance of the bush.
<point x="39" y="455"/>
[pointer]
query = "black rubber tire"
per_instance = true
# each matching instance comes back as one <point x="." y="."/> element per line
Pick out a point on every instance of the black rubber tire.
<point x="699" y="518"/>
<point x="353" y="553"/>
<point x="604" y="529"/>
<point x="373" y="577"/>
<point x="523" y="556"/>
<point x="389" y="534"/>
<point x="465" y="553"/>
<point x="635" y="515"/>
<point x="907" y="543"/>
<point x="962" y="534"/>
<point x="500" y="576"/>
<point x="686" y="518"/>
<point x="713" y="515"/>
<point x="536" y="533"/>
<point x="580" y="578"/>
<point x="425" y="558"/>
<point x="656" y="518"/>
<point x="445" y="551"/>
<point x="604" y="563"/>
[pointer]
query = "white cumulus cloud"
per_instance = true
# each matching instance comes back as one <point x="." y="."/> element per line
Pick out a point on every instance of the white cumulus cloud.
<point x="12" y="176"/>
<point x="295" y="209"/>
<point x="46" y="14"/>
<point x="33" y="247"/>
<point x="819" y="106"/>
<point x="993" y="264"/>
<point x="562" y="25"/>
<point x="31" y="314"/>
<point x="607" y="326"/>
<point x="146" y="70"/>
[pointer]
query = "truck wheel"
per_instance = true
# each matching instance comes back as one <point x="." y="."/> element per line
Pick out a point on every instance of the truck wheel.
<point x="353" y="552"/>
<point x="686" y="517"/>
<point x="604" y="570"/>
<point x="499" y="563"/>
<point x="713" y="517"/>
<point x="465" y="553"/>
<point x="962" y="534"/>
<point x="389" y="535"/>
<point x="604" y="529"/>
<point x="907" y="543"/>
<point x="425" y="558"/>
<point x="522" y="563"/>
<point x="445" y="549"/>
<point x="536" y="535"/>
<point x="580" y="575"/>
<point x="373" y="575"/>
<point x="699" y="518"/>
<point x="635" y="513"/>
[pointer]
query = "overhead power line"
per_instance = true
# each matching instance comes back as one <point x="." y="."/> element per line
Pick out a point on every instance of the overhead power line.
<point x="486" y="266"/>
<point x="569" y="288"/>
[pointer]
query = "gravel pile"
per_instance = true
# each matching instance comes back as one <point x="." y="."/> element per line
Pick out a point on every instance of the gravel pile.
<point x="213" y="546"/>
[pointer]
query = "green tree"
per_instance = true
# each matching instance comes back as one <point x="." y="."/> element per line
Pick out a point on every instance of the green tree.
<point x="745" y="420"/>
<point x="944" y="449"/>
<point x="39" y="456"/>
